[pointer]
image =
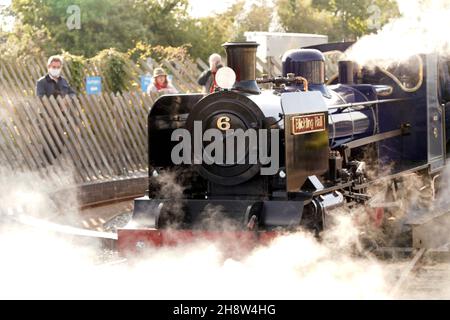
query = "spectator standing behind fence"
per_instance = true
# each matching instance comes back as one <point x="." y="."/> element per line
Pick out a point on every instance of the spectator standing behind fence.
<point x="53" y="84"/>
<point x="160" y="83"/>
<point x="208" y="78"/>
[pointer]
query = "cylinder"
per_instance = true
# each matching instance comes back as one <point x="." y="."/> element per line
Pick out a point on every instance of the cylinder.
<point x="241" y="57"/>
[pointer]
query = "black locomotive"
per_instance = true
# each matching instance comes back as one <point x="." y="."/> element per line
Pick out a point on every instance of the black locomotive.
<point x="321" y="139"/>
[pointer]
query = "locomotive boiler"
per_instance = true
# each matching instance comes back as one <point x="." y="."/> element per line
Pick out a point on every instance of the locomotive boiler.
<point x="303" y="149"/>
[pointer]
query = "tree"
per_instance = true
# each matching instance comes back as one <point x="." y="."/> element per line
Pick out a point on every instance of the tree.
<point x="255" y="17"/>
<point x="121" y="24"/>
<point x="206" y="35"/>
<point x="341" y="20"/>
<point x="105" y="24"/>
<point x="163" y="20"/>
<point x="355" y="18"/>
<point x="300" y="16"/>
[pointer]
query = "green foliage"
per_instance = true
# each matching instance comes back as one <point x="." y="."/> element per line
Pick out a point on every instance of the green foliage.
<point x="105" y="24"/>
<point x="130" y="25"/>
<point x="112" y="65"/>
<point x="163" y="20"/>
<point x="206" y="35"/>
<point x="341" y="20"/>
<point x="144" y="50"/>
<point x="77" y="69"/>
<point x="299" y="16"/>
<point x="352" y="16"/>
<point x="256" y="17"/>
<point x="24" y="41"/>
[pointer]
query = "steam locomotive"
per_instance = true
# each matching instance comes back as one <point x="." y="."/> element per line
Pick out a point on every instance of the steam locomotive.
<point x="321" y="134"/>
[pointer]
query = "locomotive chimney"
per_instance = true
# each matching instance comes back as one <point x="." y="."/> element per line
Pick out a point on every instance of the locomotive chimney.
<point x="241" y="57"/>
<point x="347" y="72"/>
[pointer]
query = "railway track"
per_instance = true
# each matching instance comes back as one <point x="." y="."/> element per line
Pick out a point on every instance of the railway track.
<point x="99" y="202"/>
<point x="425" y="275"/>
<point x="98" y="205"/>
<point x="99" y="217"/>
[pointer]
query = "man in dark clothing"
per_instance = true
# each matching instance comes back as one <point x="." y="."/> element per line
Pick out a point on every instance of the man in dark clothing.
<point x="53" y="84"/>
<point x="208" y="78"/>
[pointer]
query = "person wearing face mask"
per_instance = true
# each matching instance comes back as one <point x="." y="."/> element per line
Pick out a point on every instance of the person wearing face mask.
<point x="53" y="84"/>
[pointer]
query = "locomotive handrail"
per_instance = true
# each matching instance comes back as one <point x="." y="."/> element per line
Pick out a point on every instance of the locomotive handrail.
<point x="366" y="103"/>
<point x="376" y="138"/>
<point x="305" y="82"/>
<point x="403" y="87"/>
<point x="394" y="78"/>
<point x="285" y="80"/>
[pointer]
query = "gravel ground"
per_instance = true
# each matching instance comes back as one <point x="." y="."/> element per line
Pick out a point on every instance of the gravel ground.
<point x="108" y="255"/>
<point x="118" y="221"/>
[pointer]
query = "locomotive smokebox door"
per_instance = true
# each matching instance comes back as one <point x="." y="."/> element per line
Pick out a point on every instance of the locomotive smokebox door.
<point x="306" y="137"/>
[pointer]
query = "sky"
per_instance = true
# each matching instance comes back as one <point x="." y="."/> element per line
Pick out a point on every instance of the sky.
<point x="6" y="23"/>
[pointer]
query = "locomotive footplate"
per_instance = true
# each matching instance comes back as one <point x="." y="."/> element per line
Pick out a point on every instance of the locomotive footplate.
<point x="212" y="214"/>
<point x="137" y="241"/>
<point x="251" y="222"/>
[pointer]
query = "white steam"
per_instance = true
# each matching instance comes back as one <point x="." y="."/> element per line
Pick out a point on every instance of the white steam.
<point x="28" y="193"/>
<point x="421" y="29"/>
<point x="40" y="264"/>
<point x="293" y="267"/>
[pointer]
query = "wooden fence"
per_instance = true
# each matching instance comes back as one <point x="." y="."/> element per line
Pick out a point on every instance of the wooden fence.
<point x="270" y="67"/>
<point x="21" y="75"/>
<point x="97" y="137"/>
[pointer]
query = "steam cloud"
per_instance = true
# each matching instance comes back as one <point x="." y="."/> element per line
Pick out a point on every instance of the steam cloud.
<point x="40" y="264"/>
<point x="421" y="29"/>
<point x="294" y="267"/>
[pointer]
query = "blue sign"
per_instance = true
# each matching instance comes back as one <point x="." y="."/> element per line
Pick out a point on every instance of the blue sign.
<point x="145" y="82"/>
<point x="93" y="85"/>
